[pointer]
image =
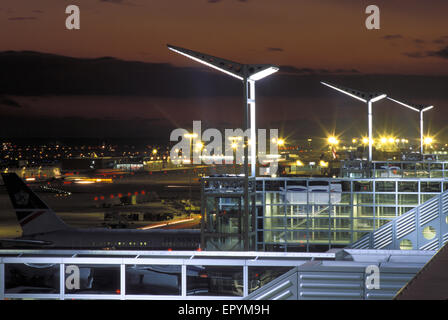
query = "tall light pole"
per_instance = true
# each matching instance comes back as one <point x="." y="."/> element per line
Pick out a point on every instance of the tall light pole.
<point x="368" y="98"/>
<point x="249" y="74"/>
<point x="417" y="108"/>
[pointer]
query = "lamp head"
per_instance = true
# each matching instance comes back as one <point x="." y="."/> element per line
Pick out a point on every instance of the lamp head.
<point x="237" y="70"/>
<point x="359" y="95"/>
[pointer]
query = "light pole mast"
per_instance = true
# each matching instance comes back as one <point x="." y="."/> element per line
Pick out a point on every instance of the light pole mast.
<point x="249" y="74"/>
<point x="369" y="99"/>
<point x="420" y="109"/>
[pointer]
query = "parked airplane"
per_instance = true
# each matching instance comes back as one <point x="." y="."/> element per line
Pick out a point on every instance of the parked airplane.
<point x="44" y="229"/>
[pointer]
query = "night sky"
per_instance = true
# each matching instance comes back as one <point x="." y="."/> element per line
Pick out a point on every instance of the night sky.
<point x="115" y="77"/>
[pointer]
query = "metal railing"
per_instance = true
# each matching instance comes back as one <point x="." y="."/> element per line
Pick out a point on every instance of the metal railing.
<point x="424" y="227"/>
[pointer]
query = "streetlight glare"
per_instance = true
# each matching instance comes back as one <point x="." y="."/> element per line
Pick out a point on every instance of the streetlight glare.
<point x="428" y="140"/>
<point x="191" y="135"/>
<point x="333" y="140"/>
<point x="323" y="164"/>
<point x="299" y="163"/>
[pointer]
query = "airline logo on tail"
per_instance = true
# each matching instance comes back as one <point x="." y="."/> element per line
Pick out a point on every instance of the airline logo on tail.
<point x="32" y="213"/>
<point x="29" y="216"/>
<point x="22" y="198"/>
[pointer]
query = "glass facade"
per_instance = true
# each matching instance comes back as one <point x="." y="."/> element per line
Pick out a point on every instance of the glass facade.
<point x="315" y="214"/>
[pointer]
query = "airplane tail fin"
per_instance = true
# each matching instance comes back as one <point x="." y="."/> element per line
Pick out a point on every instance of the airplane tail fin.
<point x="33" y="214"/>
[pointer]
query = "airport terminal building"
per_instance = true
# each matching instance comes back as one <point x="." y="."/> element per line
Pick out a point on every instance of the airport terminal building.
<point x="317" y="214"/>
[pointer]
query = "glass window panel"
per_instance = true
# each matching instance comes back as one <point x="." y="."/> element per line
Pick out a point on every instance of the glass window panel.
<point x="362" y="186"/>
<point x="430" y="186"/>
<point x="274" y="223"/>
<point x="426" y="197"/>
<point x="435" y="166"/>
<point x="360" y="198"/>
<point x="319" y="211"/>
<point x="297" y="238"/>
<point x="346" y="186"/>
<point x="274" y="198"/>
<point x="341" y="211"/>
<point x="407" y="199"/>
<point x="272" y="185"/>
<point x="296" y="223"/>
<point x="260" y="223"/>
<point x="260" y="211"/>
<point x="298" y="210"/>
<point x="436" y="174"/>
<point x="214" y="281"/>
<point x="259" y="276"/>
<point x="319" y="223"/>
<point x="363" y="224"/>
<point x="381" y="222"/>
<point x="407" y="186"/>
<point x="274" y="236"/>
<point x="31" y="278"/>
<point x="341" y="237"/>
<point x="275" y="210"/>
<point x="341" y="223"/>
<point x="96" y="279"/>
<point x="259" y="198"/>
<point x="321" y="236"/>
<point x="385" y="211"/>
<point x="359" y="235"/>
<point x="385" y="186"/>
<point x="345" y="198"/>
<point x="362" y="212"/>
<point x="403" y="210"/>
<point x="153" y="279"/>
<point x="384" y="199"/>
<point x="409" y="166"/>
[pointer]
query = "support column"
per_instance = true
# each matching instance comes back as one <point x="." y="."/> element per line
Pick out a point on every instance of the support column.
<point x="421" y="132"/>
<point x="370" y="130"/>
<point x="246" y="124"/>
<point x="253" y="134"/>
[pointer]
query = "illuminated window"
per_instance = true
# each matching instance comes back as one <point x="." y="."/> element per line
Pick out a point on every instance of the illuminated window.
<point x="406" y="244"/>
<point x="429" y="233"/>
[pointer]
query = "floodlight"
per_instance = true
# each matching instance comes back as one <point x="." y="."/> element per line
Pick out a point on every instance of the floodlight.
<point x="365" y="97"/>
<point x="248" y="73"/>
<point x="420" y="109"/>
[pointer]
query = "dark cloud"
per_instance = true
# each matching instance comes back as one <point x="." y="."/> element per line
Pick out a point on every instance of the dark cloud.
<point x="22" y="18"/>
<point x="5" y="101"/>
<point x="274" y="49"/>
<point x="174" y="96"/>
<point x="216" y="1"/>
<point x="393" y="37"/>
<point x="442" y="53"/>
<point x="302" y="71"/>
<point x="416" y="54"/>
<point x="119" y="2"/>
